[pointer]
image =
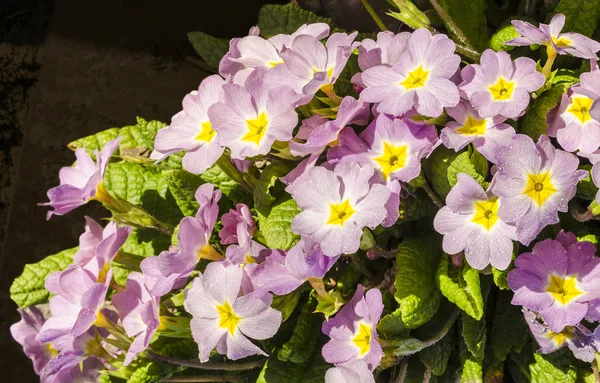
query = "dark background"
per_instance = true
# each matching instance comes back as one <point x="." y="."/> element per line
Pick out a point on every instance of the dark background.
<point x="70" y="68"/>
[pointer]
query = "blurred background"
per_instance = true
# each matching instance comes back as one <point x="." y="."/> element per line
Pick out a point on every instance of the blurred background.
<point x="72" y="68"/>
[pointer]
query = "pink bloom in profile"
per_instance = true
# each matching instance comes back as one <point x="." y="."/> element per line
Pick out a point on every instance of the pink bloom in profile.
<point x="309" y="65"/>
<point x="251" y="118"/>
<point x="353" y="331"/>
<point x="574" y="44"/>
<point x="499" y="85"/>
<point x="252" y="51"/>
<point x="577" y="338"/>
<point x="238" y="225"/>
<point x="98" y="246"/>
<point x="76" y="306"/>
<point x="470" y="223"/>
<point x="78" y="184"/>
<point x="534" y="182"/>
<point x="25" y="332"/>
<point x="337" y="204"/>
<point x="421" y="79"/>
<point x="139" y="313"/>
<point x="192" y="131"/>
<point x="387" y="51"/>
<point x="223" y="319"/>
<point x="468" y="126"/>
<point x="171" y="268"/>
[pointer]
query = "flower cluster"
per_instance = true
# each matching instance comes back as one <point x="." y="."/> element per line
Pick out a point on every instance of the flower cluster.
<point x="315" y="192"/>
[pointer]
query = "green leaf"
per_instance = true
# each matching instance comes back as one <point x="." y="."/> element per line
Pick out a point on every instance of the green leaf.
<point x="276" y="228"/>
<point x="502" y="35"/>
<point x="286" y="304"/>
<point x="416" y="371"/>
<point x="222" y="181"/>
<point x="582" y="16"/>
<point x="153" y="372"/>
<point x="210" y="49"/>
<point x="436" y="357"/>
<point x="28" y="289"/>
<point x="410" y="15"/>
<point x="268" y="186"/>
<point x="558" y="367"/>
<point x="461" y="287"/>
<point x="586" y="188"/>
<point x="415" y="208"/>
<point x="474" y="335"/>
<point x="183" y="186"/>
<point x="534" y="123"/>
<point x="415" y="290"/>
<point x="276" y="19"/>
<point x="566" y="77"/>
<point x="469" y="16"/>
<point x="392" y="327"/>
<point x="145" y="186"/>
<point x="367" y="241"/>
<point x="500" y="278"/>
<point x="299" y="349"/>
<point x="408" y="346"/>
<point x="480" y="163"/>
<point x="137" y="141"/>
<point x="472" y="370"/>
<point x="146" y="242"/>
<point x="442" y="167"/>
<point x="509" y="329"/>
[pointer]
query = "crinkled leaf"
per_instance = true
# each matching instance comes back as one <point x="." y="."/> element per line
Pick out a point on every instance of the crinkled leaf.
<point x="268" y="186"/>
<point x="276" y="19"/>
<point x="145" y="186"/>
<point x="137" y="142"/>
<point x="558" y="367"/>
<point x="28" y="288"/>
<point x="472" y="371"/>
<point x="330" y="304"/>
<point x="183" y="186"/>
<point x="582" y="16"/>
<point x="442" y="167"/>
<point x="436" y="357"/>
<point x="474" y="335"/>
<point x="299" y="349"/>
<point x="500" y="278"/>
<point x="566" y="77"/>
<point x="415" y="290"/>
<point x="210" y="48"/>
<point x="286" y="304"/>
<point x="502" y="35"/>
<point x="509" y="329"/>
<point x="277" y="371"/>
<point x="222" y="181"/>
<point x="391" y="326"/>
<point x="276" y="228"/>
<point x="408" y="346"/>
<point x="146" y="242"/>
<point x="469" y="16"/>
<point x="461" y="287"/>
<point x="154" y="372"/>
<point x="416" y="371"/>
<point x="534" y="123"/>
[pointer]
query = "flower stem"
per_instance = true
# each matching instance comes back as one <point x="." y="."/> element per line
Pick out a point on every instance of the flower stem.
<point x="434" y="197"/>
<point x="463" y="45"/>
<point x="595" y="363"/>
<point x="328" y="90"/>
<point x="547" y="69"/>
<point x="208" y="365"/>
<point x="376" y="18"/>
<point x="224" y="163"/>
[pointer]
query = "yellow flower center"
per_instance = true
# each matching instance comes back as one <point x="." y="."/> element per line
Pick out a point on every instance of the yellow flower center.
<point x="416" y="78"/>
<point x="486" y="213"/>
<point x="102" y="274"/>
<point x="580" y="108"/>
<point x="51" y="350"/>
<point x="561" y="337"/>
<point x="340" y="213"/>
<point x="209" y="253"/>
<point x="227" y="318"/>
<point x="472" y="127"/>
<point x="256" y="129"/>
<point x="562" y="42"/>
<point x="392" y="159"/>
<point x="502" y="90"/>
<point x="563" y="289"/>
<point x="362" y="339"/>
<point x="539" y="187"/>
<point x="249" y="259"/>
<point x="207" y="133"/>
